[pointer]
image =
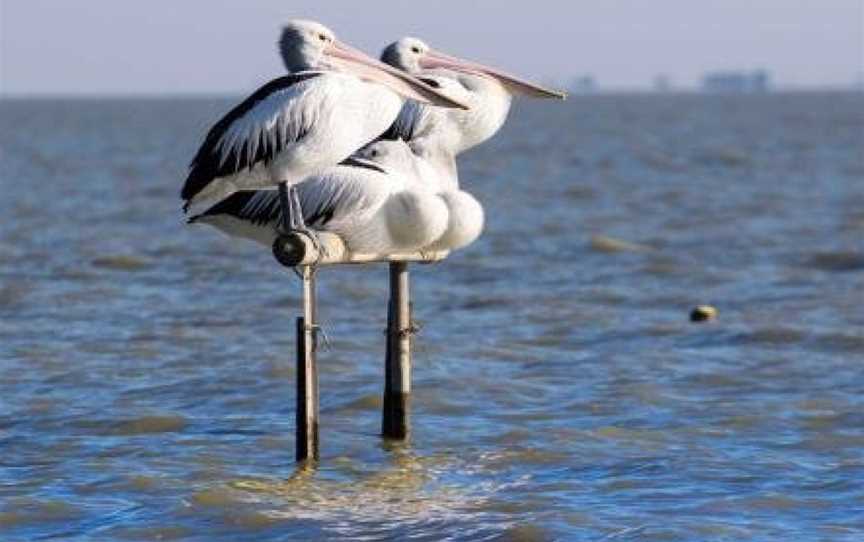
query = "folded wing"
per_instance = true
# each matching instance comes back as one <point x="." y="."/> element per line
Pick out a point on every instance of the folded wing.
<point x="255" y="132"/>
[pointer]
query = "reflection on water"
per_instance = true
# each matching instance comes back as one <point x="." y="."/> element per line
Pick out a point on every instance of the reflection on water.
<point x="348" y="491"/>
<point x="146" y="375"/>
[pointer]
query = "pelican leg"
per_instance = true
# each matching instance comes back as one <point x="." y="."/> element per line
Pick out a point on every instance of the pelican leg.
<point x="288" y="207"/>
<point x="284" y="225"/>
<point x="292" y="211"/>
<point x="298" y="223"/>
<point x="291" y="224"/>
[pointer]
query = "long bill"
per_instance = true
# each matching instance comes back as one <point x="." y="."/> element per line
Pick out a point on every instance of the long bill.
<point x="400" y="82"/>
<point x="516" y="85"/>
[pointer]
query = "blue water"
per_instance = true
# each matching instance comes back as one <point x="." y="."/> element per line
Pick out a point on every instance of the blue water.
<point x="146" y="366"/>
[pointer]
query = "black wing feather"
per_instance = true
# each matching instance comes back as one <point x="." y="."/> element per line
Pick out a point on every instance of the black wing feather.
<point x="404" y="127"/>
<point x="240" y="205"/>
<point x="262" y="207"/>
<point x="398" y="130"/>
<point x="208" y="164"/>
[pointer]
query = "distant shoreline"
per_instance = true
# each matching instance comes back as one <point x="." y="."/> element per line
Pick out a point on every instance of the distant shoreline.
<point x="573" y="94"/>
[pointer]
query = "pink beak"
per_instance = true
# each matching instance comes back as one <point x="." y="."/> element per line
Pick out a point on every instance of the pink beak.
<point x="516" y="85"/>
<point x="398" y="81"/>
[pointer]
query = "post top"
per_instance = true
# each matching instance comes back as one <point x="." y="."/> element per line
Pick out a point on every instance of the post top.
<point x="299" y="248"/>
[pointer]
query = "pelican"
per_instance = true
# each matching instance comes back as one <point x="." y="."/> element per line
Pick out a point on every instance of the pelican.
<point x="334" y="100"/>
<point x="373" y="201"/>
<point x="487" y="91"/>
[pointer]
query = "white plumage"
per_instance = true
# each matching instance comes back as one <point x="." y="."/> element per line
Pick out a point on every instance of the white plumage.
<point x="433" y="145"/>
<point x="465" y="215"/>
<point x="375" y="202"/>
<point x="334" y="101"/>
<point x="294" y="131"/>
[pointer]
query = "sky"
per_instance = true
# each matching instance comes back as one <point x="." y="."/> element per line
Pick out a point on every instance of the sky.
<point x="103" y="47"/>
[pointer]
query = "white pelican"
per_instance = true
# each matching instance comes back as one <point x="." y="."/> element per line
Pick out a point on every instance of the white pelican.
<point x="487" y="91"/>
<point x="335" y="100"/>
<point x="373" y="201"/>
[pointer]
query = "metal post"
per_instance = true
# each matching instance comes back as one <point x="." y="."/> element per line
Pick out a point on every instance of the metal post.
<point x="397" y="374"/>
<point x="307" y="373"/>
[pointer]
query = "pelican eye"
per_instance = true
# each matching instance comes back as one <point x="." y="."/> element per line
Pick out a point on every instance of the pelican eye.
<point x="373" y="153"/>
<point x="322" y="37"/>
<point x="415" y="49"/>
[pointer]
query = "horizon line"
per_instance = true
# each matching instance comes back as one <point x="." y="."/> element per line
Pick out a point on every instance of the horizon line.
<point x="573" y="89"/>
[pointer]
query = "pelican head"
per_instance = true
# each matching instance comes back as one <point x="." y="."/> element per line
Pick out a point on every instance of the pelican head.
<point x="405" y="54"/>
<point x="394" y="156"/>
<point x="303" y="44"/>
<point x="414" y="55"/>
<point x="308" y="45"/>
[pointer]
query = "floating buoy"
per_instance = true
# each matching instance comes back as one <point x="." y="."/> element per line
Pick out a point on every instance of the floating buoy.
<point x="703" y="313"/>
